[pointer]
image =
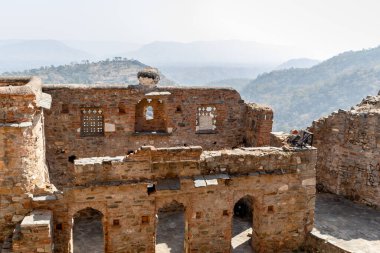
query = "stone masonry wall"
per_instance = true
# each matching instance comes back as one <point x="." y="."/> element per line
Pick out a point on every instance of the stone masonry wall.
<point x="119" y="105"/>
<point x="281" y="183"/>
<point x="22" y="152"/>
<point x="147" y="162"/>
<point x="259" y="121"/>
<point x="348" y="145"/>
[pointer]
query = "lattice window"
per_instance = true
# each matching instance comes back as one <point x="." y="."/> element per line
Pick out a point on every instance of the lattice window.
<point x="92" y="123"/>
<point x="206" y="119"/>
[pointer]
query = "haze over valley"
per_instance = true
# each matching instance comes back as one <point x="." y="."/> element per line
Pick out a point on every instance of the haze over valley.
<point x="299" y="90"/>
<point x="304" y="62"/>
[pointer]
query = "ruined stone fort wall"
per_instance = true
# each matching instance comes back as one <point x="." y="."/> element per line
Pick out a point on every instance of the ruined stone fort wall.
<point x="281" y="184"/>
<point x="348" y="145"/>
<point x="22" y="153"/>
<point x="175" y="118"/>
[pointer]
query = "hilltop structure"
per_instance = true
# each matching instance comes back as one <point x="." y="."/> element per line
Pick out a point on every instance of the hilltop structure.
<point x="118" y="155"/>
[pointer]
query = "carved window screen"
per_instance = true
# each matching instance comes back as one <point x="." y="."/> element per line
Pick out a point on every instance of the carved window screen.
<point x="206" y="119"/>
<point x="92" y="122"/>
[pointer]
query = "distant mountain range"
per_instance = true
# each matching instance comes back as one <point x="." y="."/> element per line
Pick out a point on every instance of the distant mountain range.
<point x="201" y="62"/>
<point x="230" y="52"/>
<point x="186" y="63"/>
<point x="118" y="70"/>
<point x="299" y="96"/>
<point x="100" y="50"/>
<point x="298" y="63"/>
<point x="237" y="83"/>
<point x="202" y="75"/>
<point x="25" y="54"/>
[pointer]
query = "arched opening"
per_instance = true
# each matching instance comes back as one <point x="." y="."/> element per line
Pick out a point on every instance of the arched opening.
<point x="88" y="235"/>
<point x="170" y="228"/>
<point x="149" y="113"/>
<point x="150" y="116"/>
<point x="242" y="223"/>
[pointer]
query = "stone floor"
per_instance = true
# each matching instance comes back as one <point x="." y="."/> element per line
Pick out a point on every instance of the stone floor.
<point x="350" y="226"/>
<point x="241" y="242"/>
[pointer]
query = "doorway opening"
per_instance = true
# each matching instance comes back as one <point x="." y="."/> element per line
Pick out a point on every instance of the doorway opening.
<point x="242" y="224"/>
<point x="88" y="235"/>
<point x="170" y="228"/>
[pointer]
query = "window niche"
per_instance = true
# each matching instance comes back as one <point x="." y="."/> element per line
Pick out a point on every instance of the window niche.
<point x="206" y="119"/>
<point x="151" y="116"/>
<point x="92" y="122"/>
<point x="65" y="108"/>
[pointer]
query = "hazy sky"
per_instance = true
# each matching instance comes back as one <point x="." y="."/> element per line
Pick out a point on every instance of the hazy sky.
<point x="323" y="27"/>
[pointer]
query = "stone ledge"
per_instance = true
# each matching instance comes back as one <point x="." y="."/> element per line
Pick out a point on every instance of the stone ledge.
<point x="45" y="198"/>
<point x="37" y="218"/>
<point x="17" y="125"/>
<point x="152" y="133"/>
<point x="45" y="101"/>
<point x="158" y="93"/>
<point x="98" y="160"/>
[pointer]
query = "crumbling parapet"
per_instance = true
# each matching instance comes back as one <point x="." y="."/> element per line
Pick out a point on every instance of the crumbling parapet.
<point x="258" y="125"/>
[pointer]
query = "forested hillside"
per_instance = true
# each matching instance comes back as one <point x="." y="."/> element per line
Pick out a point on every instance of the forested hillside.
<point x="118" y="70"/>
<point x="299" y="96"/>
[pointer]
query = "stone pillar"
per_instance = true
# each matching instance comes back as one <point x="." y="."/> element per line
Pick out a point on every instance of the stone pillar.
<point x="22" y="150"/>
<point x="209" y="226"/>
<point x="258" y="125"/>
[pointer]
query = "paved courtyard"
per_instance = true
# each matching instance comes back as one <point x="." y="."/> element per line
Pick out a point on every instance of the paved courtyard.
<point x="350" y="226"/>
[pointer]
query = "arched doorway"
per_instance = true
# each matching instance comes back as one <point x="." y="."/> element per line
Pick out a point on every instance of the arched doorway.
<point x="242" y="223"/>
<point x="88" y="234"/>
<point x="170" y="228"/>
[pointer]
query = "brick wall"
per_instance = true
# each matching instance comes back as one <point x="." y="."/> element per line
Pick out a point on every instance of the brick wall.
<point x="123" y="111"/>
